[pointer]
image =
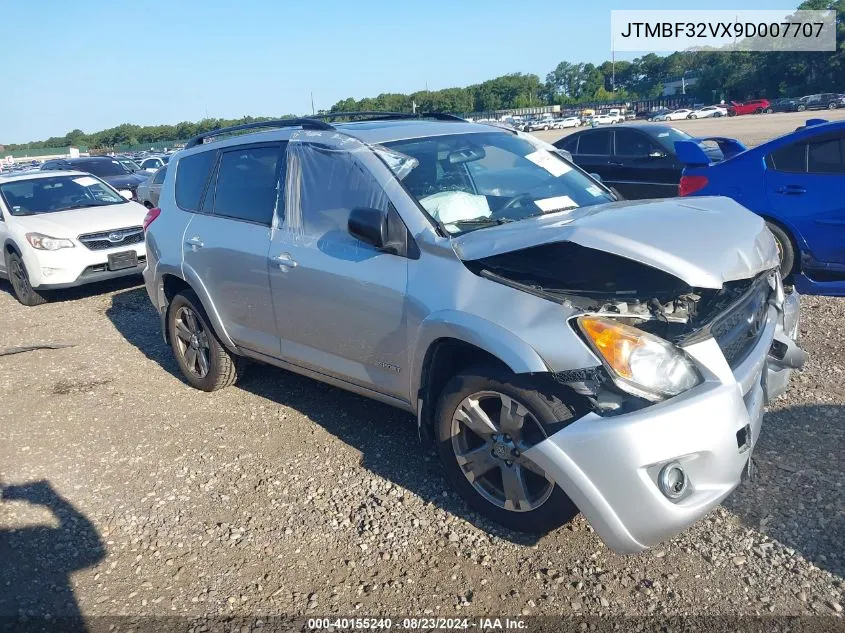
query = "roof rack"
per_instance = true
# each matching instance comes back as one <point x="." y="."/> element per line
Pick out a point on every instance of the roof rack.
<point x="376" y="115"/>
<point x="306" y="123"/>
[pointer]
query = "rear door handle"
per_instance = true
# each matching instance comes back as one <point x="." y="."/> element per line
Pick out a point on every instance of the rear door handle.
<point x="791" y="190"/>
<point x="194" y="242"/>
<point x="284" y="261"/>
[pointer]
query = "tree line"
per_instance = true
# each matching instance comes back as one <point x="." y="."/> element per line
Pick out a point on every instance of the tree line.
<point x="735" y="75"/>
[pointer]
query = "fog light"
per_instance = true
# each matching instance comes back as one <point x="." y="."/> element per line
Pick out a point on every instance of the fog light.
<point x="672" y="480"/>
<point x="47" y="272"/>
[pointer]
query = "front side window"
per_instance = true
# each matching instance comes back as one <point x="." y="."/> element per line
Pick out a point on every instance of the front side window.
<point x="57" y="193"/>
<point x="325" y="184"/>
<point x="472" y="181"/>
<point x="633" y="143"/>
<point x="247" y="184"/>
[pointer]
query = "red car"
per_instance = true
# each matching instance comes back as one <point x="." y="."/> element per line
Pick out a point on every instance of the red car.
<point x="755" y="106"/>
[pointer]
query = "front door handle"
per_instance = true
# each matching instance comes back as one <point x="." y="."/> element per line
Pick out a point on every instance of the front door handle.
<point x="791" y="190"/>
<point x="195" y="242"/>
<point x="284" y="261"/>
<point x="615" y="164"/>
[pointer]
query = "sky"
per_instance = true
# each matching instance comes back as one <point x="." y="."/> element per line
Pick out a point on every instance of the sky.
<point x="92" y="64"/>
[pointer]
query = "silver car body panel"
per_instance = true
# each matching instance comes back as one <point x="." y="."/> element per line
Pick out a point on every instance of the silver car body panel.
<point x="339" y="311"/>
<point x="684" y="238"/>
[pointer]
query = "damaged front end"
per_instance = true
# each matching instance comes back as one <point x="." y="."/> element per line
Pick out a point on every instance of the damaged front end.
<point x="644" y="299"/>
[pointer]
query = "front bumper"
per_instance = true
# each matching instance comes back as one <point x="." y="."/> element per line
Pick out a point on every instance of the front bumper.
<point x="66" y="268"/>
<point x="609" y="466"/>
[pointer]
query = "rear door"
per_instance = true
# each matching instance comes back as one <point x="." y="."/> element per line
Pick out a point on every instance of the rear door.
<point x="804" y="184"/>
<point x="227" y="243"/>
<point x="640" y="168"/>
<point x="593" y="152"/>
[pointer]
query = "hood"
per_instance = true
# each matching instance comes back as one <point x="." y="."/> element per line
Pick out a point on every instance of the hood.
<point x="125" y="180"/>
<point x="74" y="222"/>
<point x="704" y="242"/>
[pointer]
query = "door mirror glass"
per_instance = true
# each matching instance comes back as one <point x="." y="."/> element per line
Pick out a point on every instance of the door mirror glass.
<point x="369" y="226"/>
<point x="125" y="193"/>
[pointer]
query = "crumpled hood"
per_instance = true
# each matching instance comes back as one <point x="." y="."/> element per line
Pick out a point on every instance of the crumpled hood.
<point x="704" y="242"/>
<point x="69" y="224"/>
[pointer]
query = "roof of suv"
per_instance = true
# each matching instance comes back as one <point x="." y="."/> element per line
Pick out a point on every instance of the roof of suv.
<point x="369" y="131"/>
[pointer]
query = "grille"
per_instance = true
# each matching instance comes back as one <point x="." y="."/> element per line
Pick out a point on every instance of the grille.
<point x="113" y="239"/>
<point x="740" y="328"/>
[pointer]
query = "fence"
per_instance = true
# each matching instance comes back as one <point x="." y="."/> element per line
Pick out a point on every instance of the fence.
<point x="44" y="151"/>
<point x="141" y="147"/>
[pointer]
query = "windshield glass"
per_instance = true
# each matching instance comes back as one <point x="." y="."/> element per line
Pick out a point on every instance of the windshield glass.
<point x="129" y="164"/>
<point x="471" y="181"/>
<point x="101" y="168"/>
<point x="57" y="193"/>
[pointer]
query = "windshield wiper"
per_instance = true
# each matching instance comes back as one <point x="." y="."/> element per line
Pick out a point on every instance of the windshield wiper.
<point x="483" y="221"/>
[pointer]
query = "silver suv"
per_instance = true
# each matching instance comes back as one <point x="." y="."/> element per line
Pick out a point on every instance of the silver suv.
<point x="565" y="350"/>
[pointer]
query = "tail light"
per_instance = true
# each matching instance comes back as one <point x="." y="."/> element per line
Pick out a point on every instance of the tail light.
<point x="691" y="184"/>
<point x="152" y="214"/>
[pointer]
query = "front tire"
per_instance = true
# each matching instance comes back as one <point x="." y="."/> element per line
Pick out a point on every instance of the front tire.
<point x="801" y="108"/>
<point x="19" y="278"/>
<point x="486" y="418"/>
<point x="205" y="363"/>
<point x="786" y="252"/>
<point x="831" y="106"/>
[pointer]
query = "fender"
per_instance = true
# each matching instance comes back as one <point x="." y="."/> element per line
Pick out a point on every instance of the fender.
<point x="520" y="357"/>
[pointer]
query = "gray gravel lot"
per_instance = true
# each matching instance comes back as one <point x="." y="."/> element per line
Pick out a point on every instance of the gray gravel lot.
<point x="286" y="496"/>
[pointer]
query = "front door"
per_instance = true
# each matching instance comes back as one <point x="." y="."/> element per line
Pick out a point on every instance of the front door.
<point x="339" y="303"/>
<point x="640" y="168"/>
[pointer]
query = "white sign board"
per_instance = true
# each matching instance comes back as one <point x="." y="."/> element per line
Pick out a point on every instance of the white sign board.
<point x="73" y="152"/>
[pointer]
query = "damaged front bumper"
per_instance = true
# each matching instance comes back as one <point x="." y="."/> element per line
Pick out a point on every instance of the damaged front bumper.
<point x="611" y="466"/>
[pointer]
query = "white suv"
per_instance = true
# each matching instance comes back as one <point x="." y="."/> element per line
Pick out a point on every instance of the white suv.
<point x="62" y="228"/>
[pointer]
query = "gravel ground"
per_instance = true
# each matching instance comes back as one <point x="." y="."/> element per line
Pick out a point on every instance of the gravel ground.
<point x="286" y="496"/>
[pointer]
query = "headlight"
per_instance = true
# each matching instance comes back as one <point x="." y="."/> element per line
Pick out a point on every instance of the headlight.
<point x="640" y="363"/>
<point x="47" y="243"/>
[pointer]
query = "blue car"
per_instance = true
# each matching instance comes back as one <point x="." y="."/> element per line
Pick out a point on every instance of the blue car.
<point x="797" y="184"/>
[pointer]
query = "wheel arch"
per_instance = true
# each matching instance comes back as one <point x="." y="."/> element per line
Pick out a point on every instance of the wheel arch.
<point x="794" y="236"/>
<point x="171" y="284"/>
<point x="451" y="342"/>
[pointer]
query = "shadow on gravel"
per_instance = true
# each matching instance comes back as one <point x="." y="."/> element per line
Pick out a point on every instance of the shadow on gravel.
<point x="36" y="562"/>
<point x="798" y="495"/>
<point x="81" y="292"/>
<point x="386" y="437"/>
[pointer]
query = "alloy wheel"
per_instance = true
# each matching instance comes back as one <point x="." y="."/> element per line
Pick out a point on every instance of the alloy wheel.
<point x="19" y="278"/>
<point x="192" y="341"/>
<point x="490" y="434"/>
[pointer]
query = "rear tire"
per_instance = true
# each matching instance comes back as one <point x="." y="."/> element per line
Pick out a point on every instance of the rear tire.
<point x="484" y="463"/>
<point x="785" y="250"/>
<point x="19" y="278"/>
<point x="831" y="106"/>
<point x="205" y="363"/>
<point x="769" y="110"/>
<point x="801" y="108"/>
<point x="731" y="113"/>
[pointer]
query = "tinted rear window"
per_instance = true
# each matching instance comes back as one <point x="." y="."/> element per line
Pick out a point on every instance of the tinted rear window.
<point x="247" y="182"/>
<point x="191" y="177"/>
<point x="595" y="143"/>
<point x="791" y="158"/>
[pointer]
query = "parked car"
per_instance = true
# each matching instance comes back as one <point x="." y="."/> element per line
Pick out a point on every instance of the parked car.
<point x="713" y="111"/>
<point x="659" y="114"/>
<point x="150" y="190"/>
<point x="538" y="124"/>
<point x="755" y="106"/>
<point x="638" y="160"/>
<point x="154" y="163"/>
<point x="566" y="122"/>
<point x="104" y="167"/>
<point x="824" y="101"/>
<point x="605" y="119"/>
<point x="795" y="183"/>
<point x="61" y="229"/>
<point x="676" y="115"/>
<point x="787" y="104"/>
<point x="482" y="283"/>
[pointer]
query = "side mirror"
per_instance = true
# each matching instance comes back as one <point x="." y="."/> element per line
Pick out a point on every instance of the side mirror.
<point x="595" y="176"/>
<point x="657" y="154"/>
<point x="125" y="193"/>
<point x="369" y="226"/>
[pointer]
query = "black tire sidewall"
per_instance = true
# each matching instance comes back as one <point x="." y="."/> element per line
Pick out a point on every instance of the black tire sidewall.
<point x="787" y="260"/>
<point x="32" y="297"/>
<point x="558" y="508"/>
<point x="189" y="298"/>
